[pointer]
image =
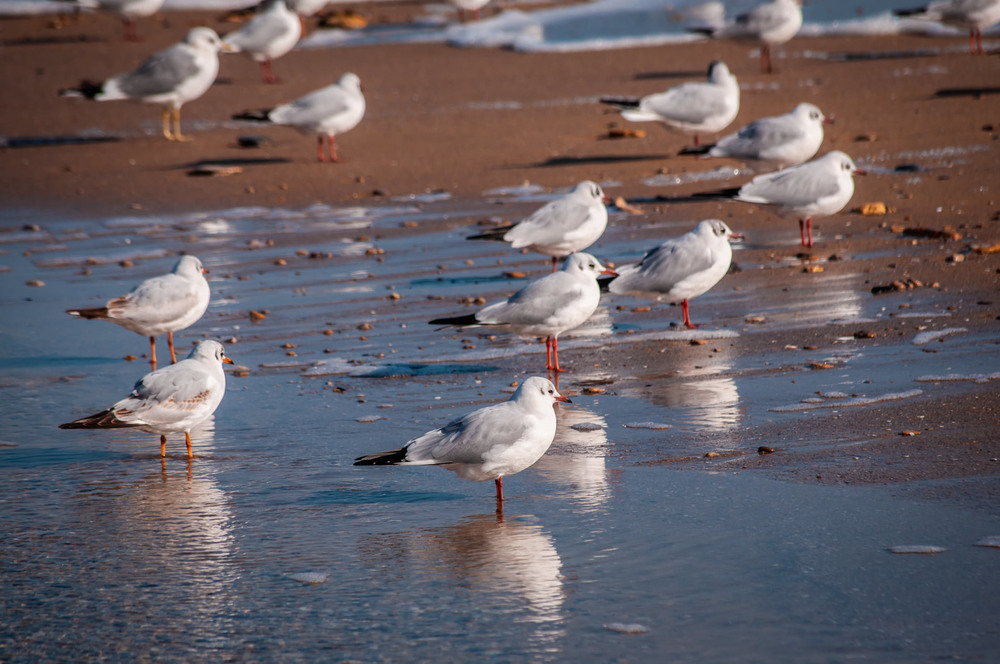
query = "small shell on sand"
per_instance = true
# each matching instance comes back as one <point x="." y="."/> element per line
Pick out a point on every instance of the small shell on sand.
<point x="926" y="549"/>
<point x="626" y="628"/>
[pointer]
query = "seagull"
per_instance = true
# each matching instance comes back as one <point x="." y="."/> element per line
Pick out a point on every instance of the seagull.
<point x="328" y="111"/>
<point x="489" y="443"/>
<point x="273" y="31"/>
<point x="171" y="77"/>
<point x="560" y="227"/>
<point x="972" y="15"/>
<point x="129" y="10"/>
<point x="176" y="398"/>
<point x="467" y="8"/>
<point x="167" y="303"/>
<point x="787" y="139"/>
<point x="548" y="306"/>
<point x="680" y="268"/>
<point x="820" y="187"/>
<point x="693" y="107"/>
<point x="771" y="23"/>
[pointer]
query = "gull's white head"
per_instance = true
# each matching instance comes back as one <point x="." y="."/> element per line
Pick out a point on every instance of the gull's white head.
<point x="582" y="263"/>
<point x="538" y="391"/>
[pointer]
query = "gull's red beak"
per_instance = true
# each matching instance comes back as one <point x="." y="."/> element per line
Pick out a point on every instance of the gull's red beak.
<point x="608" y="271"/>
<point x="226" y="360"/>
<point x="860" y="171"/>
<point x="563" y="399"/>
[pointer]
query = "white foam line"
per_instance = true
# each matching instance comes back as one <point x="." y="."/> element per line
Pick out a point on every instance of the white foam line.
<point x="934" y="335"/>
<point x="974" y="378"/>
<point x="848" y="403"/>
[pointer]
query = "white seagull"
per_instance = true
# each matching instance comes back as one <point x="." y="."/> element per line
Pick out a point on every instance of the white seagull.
<point x="172" y="77"/>
<point x="329" y="111"/>
<point x="176" y="398"/>
<point x="771" y="23"/>
<point x="694" y="107"/>
<point x="272" y="32"/>
<point x="972" y="15"/>
<point x="167" y="303"/>
<point x="560" y="227"/>
<point x="817" y="188"/>
<point x="469" y="8"/>
<point x="786" y="139"/>
<point x="489" y="443"/>
<point x="680" y="268"/>
<point x="547" y="307"/>
<point x="128" y="10"/>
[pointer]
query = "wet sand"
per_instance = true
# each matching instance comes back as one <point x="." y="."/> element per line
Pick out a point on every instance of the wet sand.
<point x="468" y="121"/>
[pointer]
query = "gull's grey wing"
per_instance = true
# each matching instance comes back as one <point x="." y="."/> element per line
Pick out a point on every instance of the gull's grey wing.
<point x="260" y="31"/>
<point x="168" y="394"/>
<point x="666" y="265"/>
<point x="312" y="108"/>
<point x="161" y="73"/>
<point x="762" y="134"/>
<point x="468" y="438"/>
<point x="166" y="297"/>
<point x="549" y="224"/>
<point x="792" y="187"/>
<point x="690" y="103"/>
<point x="536" y="302"/>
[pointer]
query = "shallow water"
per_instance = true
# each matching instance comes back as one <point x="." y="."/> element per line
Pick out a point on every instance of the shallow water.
<point x="271" y="546"/>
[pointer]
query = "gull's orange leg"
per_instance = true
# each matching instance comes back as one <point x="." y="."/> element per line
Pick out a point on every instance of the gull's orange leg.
<point x="170" y="342"/>
<point x="152" y="353"/>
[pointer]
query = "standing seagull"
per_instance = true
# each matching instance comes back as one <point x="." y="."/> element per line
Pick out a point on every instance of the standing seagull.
<point x="786" y="140"/>
<point x="693" y="107"/>
<point x="560" y="227"/>
<point x="273" y="31"/>
<point x="971" y="15"/>
<point x="172" y="77"/>
<point x="680" y="268"/>
<point x="174" y="399"/>
<point x="817" y="188"/>
<point x="771" y="23"/>
<point x="166" y="303"/>
<point x="489" y="443"/>
<point x="328" y="111"/>
<point x="546" y="307"/>
<point x="128" y="10"/>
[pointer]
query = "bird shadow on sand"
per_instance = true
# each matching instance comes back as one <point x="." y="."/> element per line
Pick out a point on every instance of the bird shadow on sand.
<point x="669" y="75"/>
<point x="49" y="141"/>
<point x="209" y="166"/>
<point x="597" y="159"/>
<point x="975" y="93"/>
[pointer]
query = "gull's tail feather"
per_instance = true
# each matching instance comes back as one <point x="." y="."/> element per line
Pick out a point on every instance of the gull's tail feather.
<point x="90" y="314"/>
<point x="106" y="419"/>
<point x="87" y="89"/>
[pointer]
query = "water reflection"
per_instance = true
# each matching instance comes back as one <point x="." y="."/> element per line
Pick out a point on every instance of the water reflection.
<point x="511" y="564"/>
<point x="711" y="403"/>
<point x="576" y="459"/>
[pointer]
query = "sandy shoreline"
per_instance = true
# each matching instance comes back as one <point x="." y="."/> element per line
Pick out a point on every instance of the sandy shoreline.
<point x="467" y="121"/>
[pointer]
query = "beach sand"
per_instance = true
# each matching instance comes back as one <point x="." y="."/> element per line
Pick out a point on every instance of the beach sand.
<point x="466" y="121"/>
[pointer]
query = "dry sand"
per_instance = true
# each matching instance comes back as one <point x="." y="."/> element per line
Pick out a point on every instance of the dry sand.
<point x="466" y="121"/>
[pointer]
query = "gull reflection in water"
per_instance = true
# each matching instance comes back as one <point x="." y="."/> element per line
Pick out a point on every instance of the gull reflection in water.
<point x="170" y="528"/>
<point x="576" y="458"/>
<point x="512" y="560"/>
<point x="697" y="399"/>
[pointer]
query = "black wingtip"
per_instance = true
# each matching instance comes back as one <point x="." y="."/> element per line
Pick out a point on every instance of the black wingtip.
<point x="696" y="149"/>
<point x="87" y="89"/>
<point x="259" y="115"/>
<point x="388" y="458"/>
<point x="717" y="194"/>
<point x="621" y="102"/>
<point x="495" y="234"/>
<point x="605" y="282"/>
<point x="461" y="321"/>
